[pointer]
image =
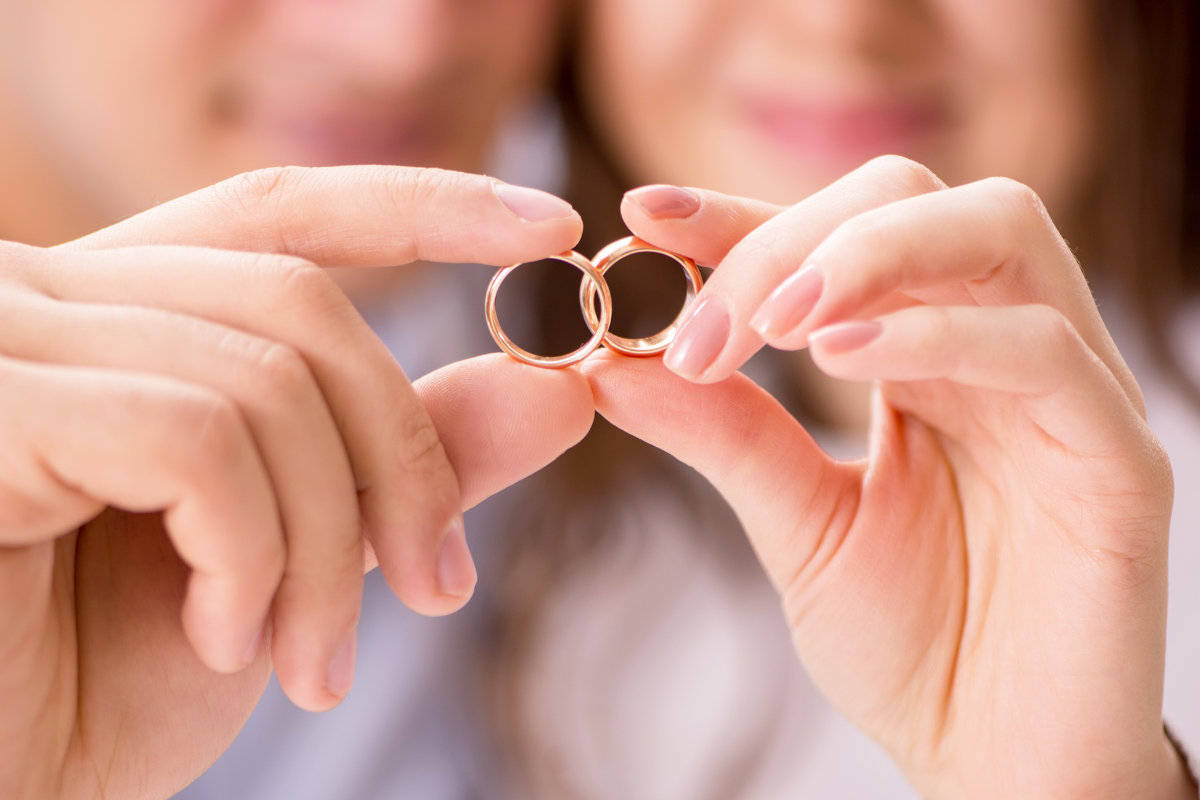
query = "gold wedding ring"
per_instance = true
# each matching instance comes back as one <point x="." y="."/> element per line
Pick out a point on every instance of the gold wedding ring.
<point x="593" y="284"/>
<point x="605" y="260"/>
<point x="591" y="276"/>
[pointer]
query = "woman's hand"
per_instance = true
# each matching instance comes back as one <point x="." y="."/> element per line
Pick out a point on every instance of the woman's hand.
<point x="196" y="361"/>
<point x="985" y="594"/>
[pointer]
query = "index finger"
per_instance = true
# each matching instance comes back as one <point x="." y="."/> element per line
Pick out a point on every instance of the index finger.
<point x="697" y="223"/>
<point x="360" y="216"/>
<point x="717" y="338"/>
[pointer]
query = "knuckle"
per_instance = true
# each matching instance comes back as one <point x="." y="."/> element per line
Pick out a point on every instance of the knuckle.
<point x="771" y="253"/>
<point x="262" y="195"/>
<point x="941" y="327"/>
<point x="275" y="270"/>
<point x="295" y="285"/>
<point x="279" y="372"/>
<point x="1022" y="199"/>
<point x="277" y="266"/>
<point x="861" y="239"/>
<point x="262" y="187"/>
<point x="217" y="438"/>
<point x="423" y="447"/>
<point x="421" y="186"/>
<point x="907" y="174"/>
<point x="1051" y="324"/>
<point x="868" y="231"/>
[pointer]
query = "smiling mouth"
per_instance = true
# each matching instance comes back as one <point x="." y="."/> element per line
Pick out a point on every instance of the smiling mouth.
<point x="832" y="136"/>
<point x="325" y="138"/>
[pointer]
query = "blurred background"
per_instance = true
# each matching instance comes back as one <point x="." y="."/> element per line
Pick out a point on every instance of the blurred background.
<point x="622" y="641"/>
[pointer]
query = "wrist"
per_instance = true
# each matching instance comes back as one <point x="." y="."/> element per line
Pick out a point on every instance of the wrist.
<point x="1166" y="772"/>
<point x="1179" y="777"/>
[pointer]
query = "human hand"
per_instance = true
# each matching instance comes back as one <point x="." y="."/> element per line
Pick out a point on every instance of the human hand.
<point x="985" y="593"/>
<point x="196" y="361"/>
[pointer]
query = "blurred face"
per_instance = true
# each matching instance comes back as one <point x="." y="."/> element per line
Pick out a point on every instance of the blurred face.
<point x="126" y="103"/>
<point x="774" y="99"/>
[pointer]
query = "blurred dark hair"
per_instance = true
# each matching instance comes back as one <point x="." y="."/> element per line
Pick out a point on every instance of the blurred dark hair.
<point x="1137" y="231"/>
<point x="1140" y="233"/>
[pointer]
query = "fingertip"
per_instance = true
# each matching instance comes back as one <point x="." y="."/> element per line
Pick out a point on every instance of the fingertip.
<point x="701" y="224"/>
<point x="340" y="678"/>
<point x="456" y="574"/>
<point x="697" y="349"/>
<point x="533" y="205"/>
<point x="660" y="202"/>
<point x="556" y="226"/>
<point x="225" y="639"/>
<point x="324" y="686"/>
<point x="613" y="376"/>
<point x="500" y="420"/>
<point x="782" y="314"/>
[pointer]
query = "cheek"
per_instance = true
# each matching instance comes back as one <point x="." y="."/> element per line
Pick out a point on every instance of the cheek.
<point x="1026" y="90"/>
<point x="106" y="89"/>
<point x="650" y="38"/>
<point x="647" y="69"/>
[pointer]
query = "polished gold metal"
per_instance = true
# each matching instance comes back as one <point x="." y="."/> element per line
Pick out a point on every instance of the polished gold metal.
<point x="591" y="277"/>
<point x="605" y="260"/>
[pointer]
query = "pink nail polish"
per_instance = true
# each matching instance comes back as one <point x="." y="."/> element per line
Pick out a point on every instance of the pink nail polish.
<point x="790" y="304"/>
<point x="845" y="336"/>
<point x="665" y="202"/>
<point x="456" y="575"/>
<point x="532" y="205"/>
<point x="700" y="340"/>
<point x="341" y="669"/>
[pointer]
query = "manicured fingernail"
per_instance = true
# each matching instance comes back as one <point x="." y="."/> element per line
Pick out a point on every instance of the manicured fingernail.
<point x="255" y="643"/>
<point x="456" y="574"/>
<point x="532" y="205"/>
<point x="700" y="340"/>
<point x="845" y="336"/>
<point x="789" y="304"/>
<point x="341" y="669"/>
<point x="665" y="202"/>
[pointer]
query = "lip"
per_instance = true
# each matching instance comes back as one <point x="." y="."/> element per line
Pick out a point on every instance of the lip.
<point x="839" y="136"/>
<point x="332" y="136"/>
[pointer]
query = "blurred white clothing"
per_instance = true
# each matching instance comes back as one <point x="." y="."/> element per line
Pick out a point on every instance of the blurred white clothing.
<point x="642" y="690"/>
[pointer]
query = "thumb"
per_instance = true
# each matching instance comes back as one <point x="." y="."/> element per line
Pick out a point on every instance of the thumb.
<point x="501" y="421"/>
<point x="786" y="491"/>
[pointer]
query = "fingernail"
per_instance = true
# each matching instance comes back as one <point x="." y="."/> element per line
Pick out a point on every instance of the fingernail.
<point x="846" y="336"/>
<point x="456" y="574"/>
<point x="252" y="649"/>
<point x="533" y="205"/>
<point x="341" y="669"/>
<point x="700" y="340"/>
<point x="665" y="202"/>
<point x="790" y="303"/>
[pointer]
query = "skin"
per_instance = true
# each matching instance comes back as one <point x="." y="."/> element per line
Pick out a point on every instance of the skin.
<point x="985" y="593"/>
<point x="206" y="445"/>
<point x="89" y="135"/>
<point x="195" y="360"/>
<point x="776" y="99"/>
<point x="123" y="635"/>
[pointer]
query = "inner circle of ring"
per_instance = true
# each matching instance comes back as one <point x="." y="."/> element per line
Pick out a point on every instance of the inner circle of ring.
<point x="603" y="262"/>
<point x="591" y="277"/>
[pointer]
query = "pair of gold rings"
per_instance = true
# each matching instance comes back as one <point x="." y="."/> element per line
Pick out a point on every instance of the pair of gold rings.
<point x="592" y="286"/>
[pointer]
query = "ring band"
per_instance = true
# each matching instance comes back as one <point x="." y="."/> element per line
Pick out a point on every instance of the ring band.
<point x="605" y="260"/>
<point x="592" y="282"/>
<point x="591" y="277"/>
